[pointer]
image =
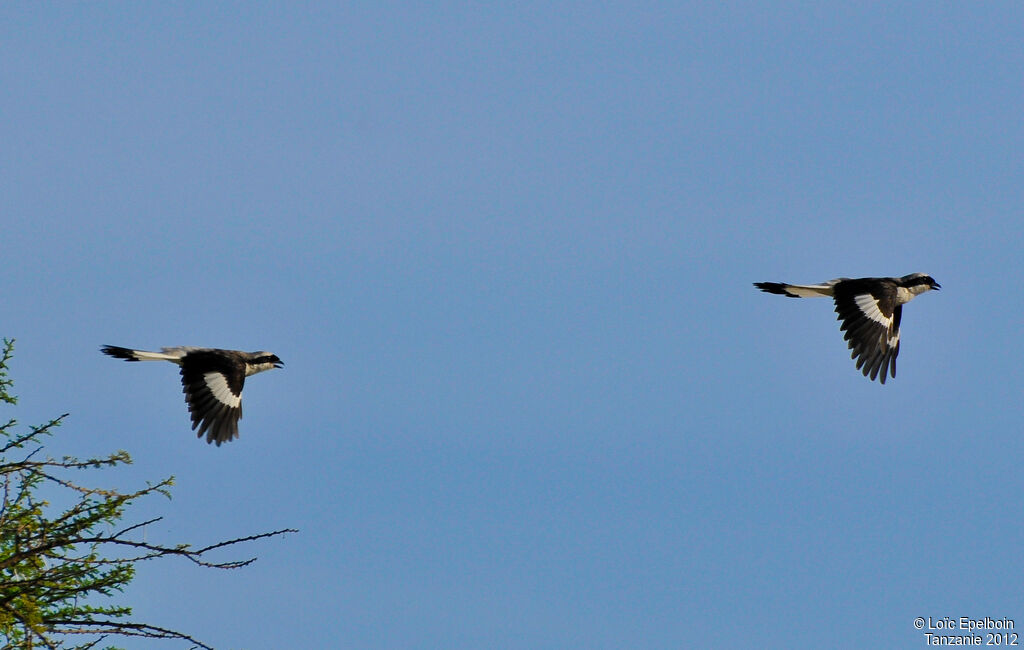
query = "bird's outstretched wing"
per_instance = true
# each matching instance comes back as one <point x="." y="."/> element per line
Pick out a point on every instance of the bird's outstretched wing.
<point x="212" y="383"/>
<point x="871" y="319"/>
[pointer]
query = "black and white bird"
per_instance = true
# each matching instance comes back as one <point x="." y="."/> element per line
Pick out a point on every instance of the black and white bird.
<point x="870" y="309"/>
<point x="212" y="381"/>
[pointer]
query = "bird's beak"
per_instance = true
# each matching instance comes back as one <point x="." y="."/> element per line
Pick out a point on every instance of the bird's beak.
<point x="279" y="364"/>
<point x="936" y="286"/>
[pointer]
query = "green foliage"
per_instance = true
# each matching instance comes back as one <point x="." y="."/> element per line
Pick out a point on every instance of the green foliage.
<point x="54" y="564"/>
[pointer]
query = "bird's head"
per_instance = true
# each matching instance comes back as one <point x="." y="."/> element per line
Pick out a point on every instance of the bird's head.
<point x="930" y="282"/>
<point x="919" y="283"/>
<point x="260" y="361"/>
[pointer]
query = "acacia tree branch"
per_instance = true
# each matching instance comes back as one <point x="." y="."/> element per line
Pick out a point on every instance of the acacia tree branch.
<point x="106" y="627"/>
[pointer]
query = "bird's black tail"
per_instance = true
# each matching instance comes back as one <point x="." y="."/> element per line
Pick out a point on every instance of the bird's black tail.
<point x="119" y="353"/>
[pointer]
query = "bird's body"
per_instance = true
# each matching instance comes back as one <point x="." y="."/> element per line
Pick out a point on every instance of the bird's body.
<point x="870" y="310"/>
<point x="212" y="381"/>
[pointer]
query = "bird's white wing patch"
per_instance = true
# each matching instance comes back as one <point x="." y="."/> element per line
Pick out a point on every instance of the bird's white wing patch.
<point x="218" y="386"/>
<point x="894" y="338"/>
<point x="869" y="307"/>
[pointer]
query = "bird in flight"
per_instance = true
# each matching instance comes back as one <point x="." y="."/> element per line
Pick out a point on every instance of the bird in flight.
<point x="212" y="381"/>
<point x="870" y="310"/>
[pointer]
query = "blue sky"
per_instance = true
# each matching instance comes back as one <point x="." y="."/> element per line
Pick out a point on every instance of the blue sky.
<point x="531" y="399"/>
